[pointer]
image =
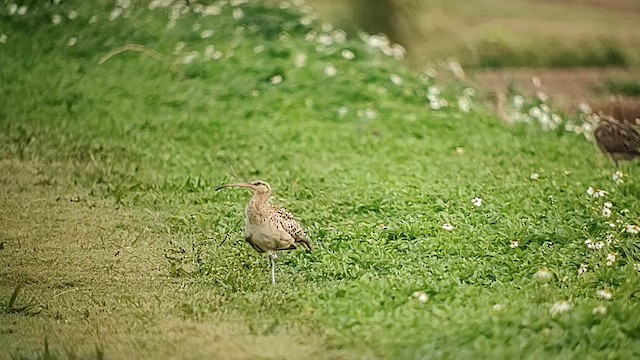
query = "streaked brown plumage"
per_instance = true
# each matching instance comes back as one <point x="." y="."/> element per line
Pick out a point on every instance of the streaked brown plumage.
<point x="270" y="228"/>
<point x="617" y="139"/>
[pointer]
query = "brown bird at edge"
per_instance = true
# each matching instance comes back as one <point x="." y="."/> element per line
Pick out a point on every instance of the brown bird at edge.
<point x="617" y="139"/>
<point x="269" y="228"/>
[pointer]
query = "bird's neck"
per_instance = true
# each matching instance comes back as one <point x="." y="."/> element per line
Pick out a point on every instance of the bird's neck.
<point x="258" y="205"/>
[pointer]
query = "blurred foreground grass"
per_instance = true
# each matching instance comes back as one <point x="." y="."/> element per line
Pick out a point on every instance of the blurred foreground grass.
<point x="110" y="225"/>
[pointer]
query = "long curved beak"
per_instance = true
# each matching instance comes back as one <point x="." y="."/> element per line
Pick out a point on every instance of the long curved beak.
<point x="237" y="185"/>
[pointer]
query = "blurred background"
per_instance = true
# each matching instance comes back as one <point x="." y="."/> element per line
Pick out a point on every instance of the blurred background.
<point x="574" y="51"/>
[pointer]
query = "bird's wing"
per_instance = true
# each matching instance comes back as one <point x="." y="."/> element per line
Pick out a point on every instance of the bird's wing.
<point x="289" y="224"/>
<point x="618" y="138"/>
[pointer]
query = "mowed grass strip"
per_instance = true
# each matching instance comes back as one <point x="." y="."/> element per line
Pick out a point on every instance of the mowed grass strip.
<point x="111" y="226"/>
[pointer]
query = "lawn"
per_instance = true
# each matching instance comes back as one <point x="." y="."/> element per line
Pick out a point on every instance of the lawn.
<point x="114" y="243"/>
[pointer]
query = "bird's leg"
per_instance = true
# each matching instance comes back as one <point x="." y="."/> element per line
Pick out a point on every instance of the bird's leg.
<point x="272" y="257"/>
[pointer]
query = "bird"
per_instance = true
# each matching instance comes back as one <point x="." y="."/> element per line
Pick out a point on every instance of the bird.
<point x="617" y="139"/>
<point x="269" y="228"/>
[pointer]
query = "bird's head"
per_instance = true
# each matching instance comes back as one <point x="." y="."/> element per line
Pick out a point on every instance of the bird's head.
<point x="258" y="187"/>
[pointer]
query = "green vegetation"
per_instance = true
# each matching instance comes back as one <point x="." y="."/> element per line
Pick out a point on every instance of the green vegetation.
<point x="624" y="87"/>
<point x="110" y="222"/>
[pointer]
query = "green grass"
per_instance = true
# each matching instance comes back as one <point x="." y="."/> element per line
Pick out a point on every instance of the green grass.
<point x="109" y="217"/>
<point x="624" y="87"/>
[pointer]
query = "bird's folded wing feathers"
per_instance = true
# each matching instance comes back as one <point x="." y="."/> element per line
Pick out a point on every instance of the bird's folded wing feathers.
<point x="292" y="227"/>
<point x="618" y="138"/>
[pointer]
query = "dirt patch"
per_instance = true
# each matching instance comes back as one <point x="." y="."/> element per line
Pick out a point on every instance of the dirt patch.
<point x="619" y="5"/>
<point x="568" y="88"/>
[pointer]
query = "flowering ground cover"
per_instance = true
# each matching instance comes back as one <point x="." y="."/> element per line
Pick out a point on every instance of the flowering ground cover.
<point x="440" y="231"/>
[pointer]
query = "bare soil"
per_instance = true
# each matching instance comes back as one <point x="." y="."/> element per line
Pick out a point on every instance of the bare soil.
<point x="568" y="88"/>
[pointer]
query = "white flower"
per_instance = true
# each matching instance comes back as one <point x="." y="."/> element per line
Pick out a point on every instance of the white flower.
<point x="300" y="60"/>
<point x="618" y="177"/>
<point x="534" y="176"/>
<point x="583" y="269"/>
<point x="598" y="245"/>
<point x="599" y="193"/>
<point x="339" y="36"/>
<point x="476" y="201"/>
<point x="590" y="191"/>
<point x="514" y="244"/>
<point x="210" y="53"/>
<point x="12" y="8"/>
<point x="535" y="112"/>
<point x="560" y="307"/>
<point x="606" y="212"/>
<point x="632" y="229"/>
<point x="599" y="310"/>
<point x="459" y="150"/>
<point x="589" y="243"/>
<point x="330" y="70"/>
<point x="211" y="10"/>
<point x="636" y="266"/>
<point x="56" y="19"/>
<point x="464" y="104"/>
<point x="436" y="103"/>
<point x="447" y="227"/>
<point x="115" y="13"/>
<point x="396" y="79"/>
<point x="306" y="20"/>
<point x="72" y="41"/>
<point x="311" y="36"/>
<point x="456" y="69"/>
<point x="347" y="54"/>
<point x="343" y="111"/>
<point x="433" y="90"/>
<point x="605" y="294"/>
<point x="542" y="96"/>
<point x="608" y="204"/>
<point x="190" y="57"/>
<point x="325" y="39"/>
<point x="72" y="14"/>
<point x="469" y="92"/>
<point x="498" y="307"/>
<point x="22" y="10"/>
<point x="283" y="36"/>
<point x="611" y="258"/>
<point x="421" y="296"/>
<point x="543" y="274"/>
<point x="370" y="113"/>
<point x="518" y="102"/>
<point x="610" y="239"/>
<point x="206" y="33"/>
<point x="276" y="79"/>
<point x="238" y="13"/>
<point x="3" y="38"/>
<point x="431" y="72"/>
<point x="584" y="108"/>
<point x="398" y="51"/>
